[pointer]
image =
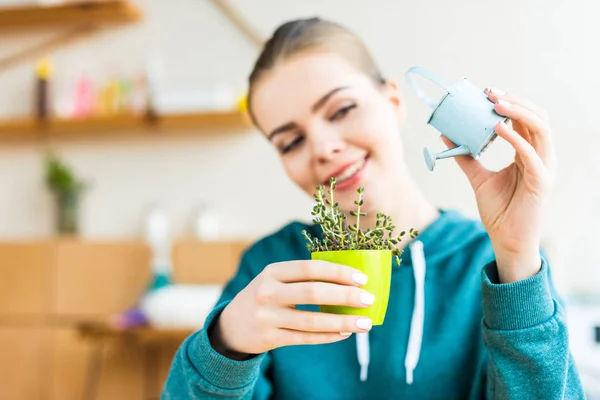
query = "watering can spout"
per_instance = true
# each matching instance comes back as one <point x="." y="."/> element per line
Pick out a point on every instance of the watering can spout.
<point x="430" y="157"/>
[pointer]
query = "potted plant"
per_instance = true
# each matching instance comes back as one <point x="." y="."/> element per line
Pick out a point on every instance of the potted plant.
<point x="370" y="251"/>
<point x="67" y="190"/>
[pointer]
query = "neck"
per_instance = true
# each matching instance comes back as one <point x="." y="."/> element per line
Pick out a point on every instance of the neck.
<point x="408" y="208"/>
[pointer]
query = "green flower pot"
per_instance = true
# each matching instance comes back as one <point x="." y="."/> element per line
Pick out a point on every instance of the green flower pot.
<point x="67" y="221"/>
<point x="377" y="265"/>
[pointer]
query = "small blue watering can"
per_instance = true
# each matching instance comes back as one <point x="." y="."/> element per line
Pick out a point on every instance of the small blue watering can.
<point x="464" y="115"/>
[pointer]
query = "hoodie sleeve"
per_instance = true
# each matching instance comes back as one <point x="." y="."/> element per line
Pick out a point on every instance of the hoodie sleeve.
<point x="525" y="332"/>
<point x="198" y="371"/>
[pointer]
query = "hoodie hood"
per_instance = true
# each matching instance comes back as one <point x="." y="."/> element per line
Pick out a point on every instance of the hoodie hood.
<point x="450" y="232"/>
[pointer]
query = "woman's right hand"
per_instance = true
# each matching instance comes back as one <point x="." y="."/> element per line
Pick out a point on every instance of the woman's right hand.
<point x="263" y="316"/>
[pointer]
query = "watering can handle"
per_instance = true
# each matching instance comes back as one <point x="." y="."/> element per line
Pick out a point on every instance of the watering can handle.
<point x="429" y="75"/>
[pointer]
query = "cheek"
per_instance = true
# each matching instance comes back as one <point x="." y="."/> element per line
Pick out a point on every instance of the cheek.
<point x="297" y="169"/>
<point x="377" y="126"/>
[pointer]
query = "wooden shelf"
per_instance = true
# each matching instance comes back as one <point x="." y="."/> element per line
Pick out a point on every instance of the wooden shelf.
<point x="122" y="125"/>
<point x="69" y="13"/>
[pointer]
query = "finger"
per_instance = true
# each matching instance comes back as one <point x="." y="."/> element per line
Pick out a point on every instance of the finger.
<point x="523" y="148"/>
<point x="289" y="337"/>
<point x="536" y="130"/>
<point x="316" y="270"/>
<point x="475" y="172"/>
<point x="495" y="94"/>
<point x="322" y="322"/>
<point x="524" y="116"/>
<point x="323" y="293"/>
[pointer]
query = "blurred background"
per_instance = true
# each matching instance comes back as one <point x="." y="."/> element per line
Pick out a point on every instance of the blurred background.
<point x="127" y="165"/>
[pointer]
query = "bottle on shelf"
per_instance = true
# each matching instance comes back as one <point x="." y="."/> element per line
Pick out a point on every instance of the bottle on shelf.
<point x="43" y="72"/>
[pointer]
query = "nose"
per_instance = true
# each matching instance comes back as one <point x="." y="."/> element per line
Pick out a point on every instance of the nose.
<point x="327" y="147"/>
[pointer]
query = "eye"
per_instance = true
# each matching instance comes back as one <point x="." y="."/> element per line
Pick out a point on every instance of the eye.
<point x="296" y="142"/>
<point x="342" y="112"/>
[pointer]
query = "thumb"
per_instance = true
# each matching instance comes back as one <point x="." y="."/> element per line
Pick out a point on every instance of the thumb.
<point x="476" y="173"/>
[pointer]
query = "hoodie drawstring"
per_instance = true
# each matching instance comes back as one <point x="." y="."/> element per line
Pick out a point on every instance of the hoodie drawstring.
<point x="418" y="318"/>
<point x="363" y="350"/>
<point x="416" y="326"/>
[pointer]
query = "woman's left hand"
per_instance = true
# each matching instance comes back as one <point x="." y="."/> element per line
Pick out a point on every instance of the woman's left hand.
<point x="511" y="201"/>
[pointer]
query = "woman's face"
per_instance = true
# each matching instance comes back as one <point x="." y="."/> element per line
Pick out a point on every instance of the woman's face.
<point x="327" y="119"/>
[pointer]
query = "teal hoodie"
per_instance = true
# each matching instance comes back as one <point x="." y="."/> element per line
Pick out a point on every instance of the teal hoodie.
<point x="456" y="334"/>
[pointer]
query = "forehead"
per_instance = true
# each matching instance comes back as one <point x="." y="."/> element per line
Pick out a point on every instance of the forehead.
<point x="290" y="89"/>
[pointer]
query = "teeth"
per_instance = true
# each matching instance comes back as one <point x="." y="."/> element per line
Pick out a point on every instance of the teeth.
<point x="351" y="170"/>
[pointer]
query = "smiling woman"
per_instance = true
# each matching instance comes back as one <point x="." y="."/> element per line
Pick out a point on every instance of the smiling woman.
<point x="472" y="310"/>
<point x="342" y="119"/>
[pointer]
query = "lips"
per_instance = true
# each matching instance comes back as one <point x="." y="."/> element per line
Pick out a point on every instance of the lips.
<point x="349" y="174"/>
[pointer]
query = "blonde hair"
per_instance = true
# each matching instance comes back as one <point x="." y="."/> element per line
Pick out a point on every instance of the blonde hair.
<point x="302" y="35"/>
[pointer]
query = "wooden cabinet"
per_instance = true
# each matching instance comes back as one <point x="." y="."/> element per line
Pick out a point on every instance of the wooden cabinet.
<point x="98" y="279"/>
<point x="25" y="271"/>
<point x="218" y="262"/>
<point x="23" y="361"/>
<point x="48" y="288"/>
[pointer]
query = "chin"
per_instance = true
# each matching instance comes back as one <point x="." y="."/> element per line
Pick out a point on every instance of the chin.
<point x="375" y="202"/>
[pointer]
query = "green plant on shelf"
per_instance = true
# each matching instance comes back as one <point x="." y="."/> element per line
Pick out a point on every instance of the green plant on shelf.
<point x="67" y="190"/>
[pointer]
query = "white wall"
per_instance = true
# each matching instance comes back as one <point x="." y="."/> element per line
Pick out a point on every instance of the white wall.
<point x="542" y="50"/>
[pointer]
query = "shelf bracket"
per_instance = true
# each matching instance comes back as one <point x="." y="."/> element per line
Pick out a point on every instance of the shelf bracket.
<point x="46" y="46"/>
<point x="236" y="17"/>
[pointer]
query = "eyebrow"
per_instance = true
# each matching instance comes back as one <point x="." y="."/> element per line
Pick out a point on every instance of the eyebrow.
<point x="320" y="103"/>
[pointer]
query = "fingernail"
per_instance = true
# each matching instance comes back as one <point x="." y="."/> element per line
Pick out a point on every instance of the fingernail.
<point x="367" y="298"/>
<point x="504" y="103"/>
<point x="364" y="323"/>
<point x="360" y="278"/>
<point x="345" y="333"/>
<point x="495" y="91"/>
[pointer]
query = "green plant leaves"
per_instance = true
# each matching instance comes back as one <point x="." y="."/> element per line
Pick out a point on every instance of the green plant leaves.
<point x="338" y="236"/>
<point x="60" y="178"/>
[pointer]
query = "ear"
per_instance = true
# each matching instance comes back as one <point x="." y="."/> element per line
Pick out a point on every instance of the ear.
<point x="392" y="93"/>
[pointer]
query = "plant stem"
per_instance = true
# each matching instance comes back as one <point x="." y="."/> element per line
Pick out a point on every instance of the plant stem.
<point x="360" y="197"/>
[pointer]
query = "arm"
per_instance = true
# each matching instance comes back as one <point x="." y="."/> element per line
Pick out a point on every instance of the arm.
<point x="525" y="332"/>
<point x="524" y="326"/>
<point x="255" y="315"/>
<point x="198" y="371"/>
